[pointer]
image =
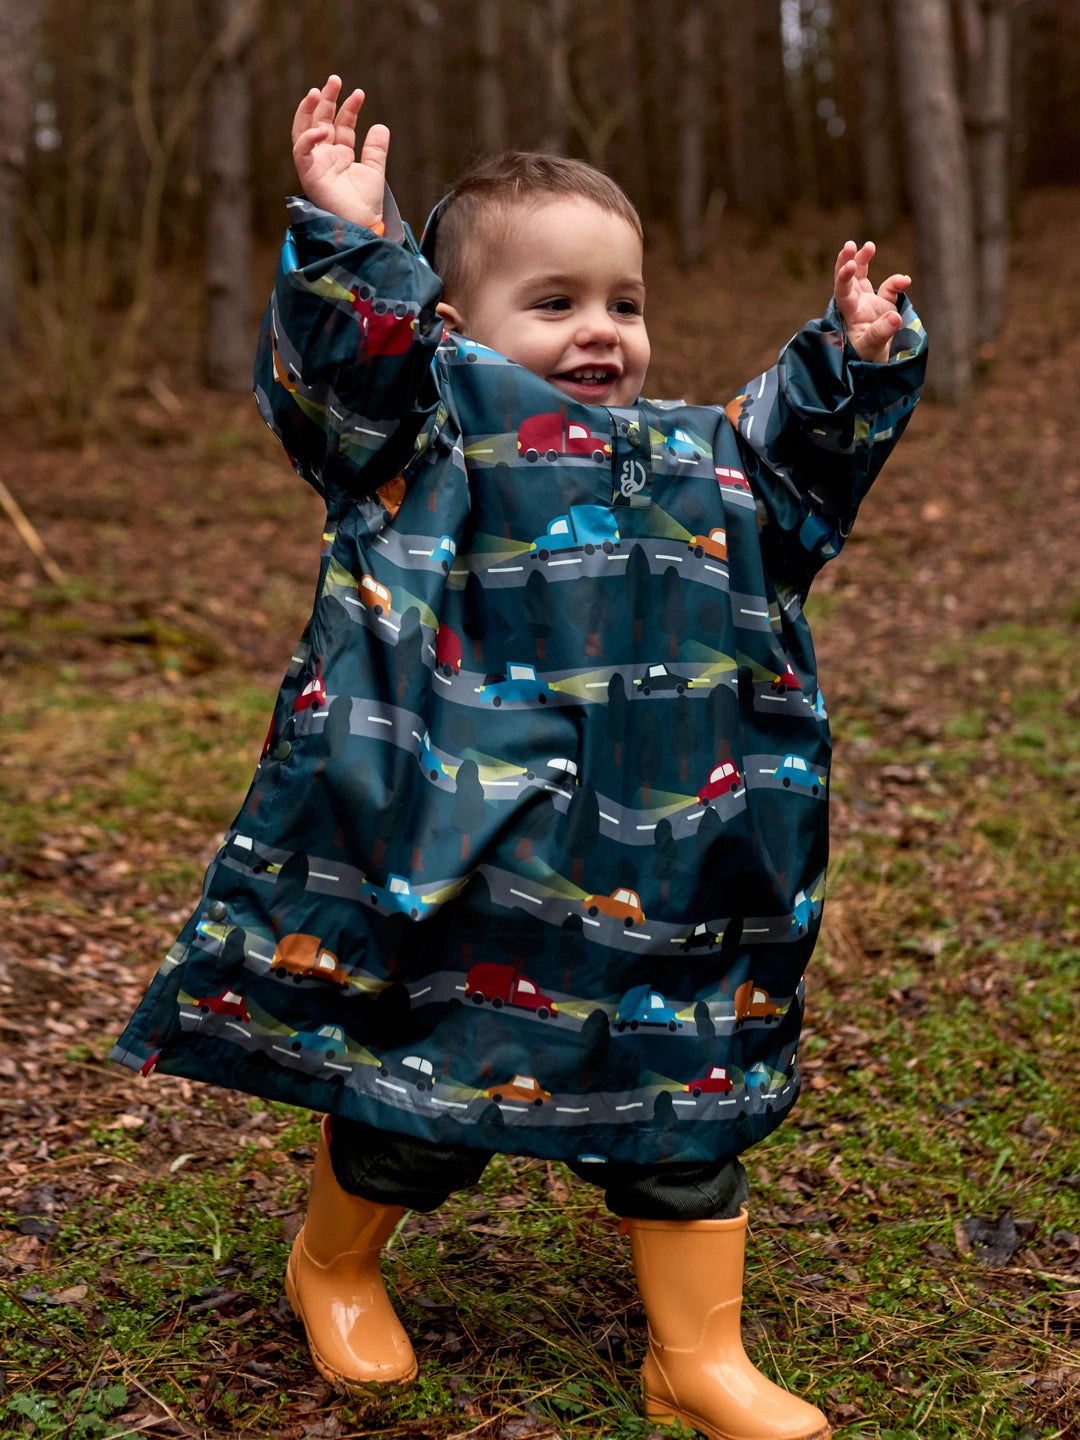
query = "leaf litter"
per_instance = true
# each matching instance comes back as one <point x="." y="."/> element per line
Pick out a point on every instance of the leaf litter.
<point x="964" y="555"/>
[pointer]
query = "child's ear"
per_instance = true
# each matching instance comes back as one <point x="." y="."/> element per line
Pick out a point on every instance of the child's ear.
<point x="453" y="317"/>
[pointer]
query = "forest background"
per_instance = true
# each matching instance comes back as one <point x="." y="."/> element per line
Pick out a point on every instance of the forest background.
<point x="915" y="1265"/>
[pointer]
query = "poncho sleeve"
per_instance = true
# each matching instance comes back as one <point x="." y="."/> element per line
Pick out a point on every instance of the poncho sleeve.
<point x="816" y="429"/>
<point x="343" y="368"/>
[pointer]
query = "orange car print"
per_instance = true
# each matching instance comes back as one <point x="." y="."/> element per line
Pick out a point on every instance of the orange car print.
<point x="304" y="955"/>
<point x="622" y="904"/>
<point x="714" y="544"/>
<point x="375" y="596"/>
<point x="521" y="1087"/>
<point x="391" y="493"/>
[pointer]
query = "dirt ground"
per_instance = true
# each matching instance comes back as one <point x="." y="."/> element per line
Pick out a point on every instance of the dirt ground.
<point x="157" y="525"/>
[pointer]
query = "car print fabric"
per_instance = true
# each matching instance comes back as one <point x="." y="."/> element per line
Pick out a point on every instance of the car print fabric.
<point x="534" y="858"/>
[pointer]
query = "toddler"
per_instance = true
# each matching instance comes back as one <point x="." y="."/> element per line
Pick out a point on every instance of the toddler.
<point x="534" y="857"/>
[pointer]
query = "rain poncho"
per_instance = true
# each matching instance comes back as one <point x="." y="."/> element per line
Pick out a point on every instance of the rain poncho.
<point x="534" y="858"/>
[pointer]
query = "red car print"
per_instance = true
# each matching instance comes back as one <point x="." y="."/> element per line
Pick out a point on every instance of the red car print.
<point x="717" y="1082"/>
<point x="553" y="435"/>
<point x="227" y="1003"/>
<point x="723" y="779"/>
<point x="311" y="697"/>
<point x="447" y="651"/>
<point x="502" y="985"/>
<point x="725" y="475"/>
<point x="387" y="330"/>
<point x="786" y="680"/>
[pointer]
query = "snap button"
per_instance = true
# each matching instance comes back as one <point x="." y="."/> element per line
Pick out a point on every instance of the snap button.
<point x="282" y="750"/>
<point x="217" y="910"/>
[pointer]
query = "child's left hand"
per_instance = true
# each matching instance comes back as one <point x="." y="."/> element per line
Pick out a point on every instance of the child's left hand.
<point x="871" y="317"/>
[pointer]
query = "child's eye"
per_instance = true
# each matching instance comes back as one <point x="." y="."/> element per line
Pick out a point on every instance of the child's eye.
<point x="557" y="302"/>
<point x="626" y="307"/>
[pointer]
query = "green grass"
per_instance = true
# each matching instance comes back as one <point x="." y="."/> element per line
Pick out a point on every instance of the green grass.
<point x="941" y="1062"/>
<point x="93" y="765"/>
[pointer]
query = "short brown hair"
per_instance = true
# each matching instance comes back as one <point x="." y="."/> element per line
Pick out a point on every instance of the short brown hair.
<point x="475" y="217"/>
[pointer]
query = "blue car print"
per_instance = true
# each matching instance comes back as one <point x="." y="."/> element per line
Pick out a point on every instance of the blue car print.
<point x="802" y="912"/>
<point x="432" y="767"/>
<point x="444" y="553"/>
<point x="469" y="350"/>
<point x="687" y="448"/>
<point x="396" y="895"/>
<point x="819" y="538"/>
<point x="794" y="770"/>
<point x="583" y="527"/>
<point x="644" y="1006"/>
<point x="328" y="1045"/>
<point x="520" y="682"/>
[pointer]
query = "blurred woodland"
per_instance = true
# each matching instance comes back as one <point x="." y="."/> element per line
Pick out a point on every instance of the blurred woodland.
<point x="139" y="135"/>
<point x="915" y="1264"/>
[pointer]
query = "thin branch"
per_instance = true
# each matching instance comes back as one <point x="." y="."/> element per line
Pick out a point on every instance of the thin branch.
<point x="29" y="535"/>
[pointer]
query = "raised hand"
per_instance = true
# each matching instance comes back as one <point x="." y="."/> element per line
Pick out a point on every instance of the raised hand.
<point x="871" y="317"/>
<point x="324" y="153"/>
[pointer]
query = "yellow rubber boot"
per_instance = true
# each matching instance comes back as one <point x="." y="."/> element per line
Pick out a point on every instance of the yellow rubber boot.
<point x="335" y="1286"/>
<point x="690" y="1274"/>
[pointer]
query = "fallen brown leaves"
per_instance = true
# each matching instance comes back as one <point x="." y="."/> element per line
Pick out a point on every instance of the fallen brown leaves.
<point x="973" y="526"/>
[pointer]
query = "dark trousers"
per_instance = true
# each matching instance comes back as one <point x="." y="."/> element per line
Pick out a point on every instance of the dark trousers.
<point x="393" y="1169"/>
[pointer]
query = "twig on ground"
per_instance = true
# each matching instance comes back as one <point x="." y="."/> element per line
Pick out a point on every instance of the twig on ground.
<point x="29" y="535"/>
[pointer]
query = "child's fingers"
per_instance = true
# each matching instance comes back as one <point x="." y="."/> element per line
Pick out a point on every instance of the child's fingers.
<point x="865" y="253"/>
<point x="326" y="105"/>
<point x="892" y="288"/>
<point x="376" y="148"/>
<point x="885" y="327"/>
<point x="853" y="262"/>
<point x="344" y="124"/>
<point x="305" y="113"/>
<point x="350" y="109"/>
<point x="844" y="269"/>
<point x="306" y="141"/>
<point x="317" y="106"/>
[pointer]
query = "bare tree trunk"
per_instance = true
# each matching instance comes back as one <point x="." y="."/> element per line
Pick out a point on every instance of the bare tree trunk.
<point x="757" y="108"/>
<point x="20" y="26"/>
<point x="987" y="43"/>
<point x="879" y="157"/>
<point x="228" y="341"/>
<point x="770" y="113"/>
<point x="1019" y="104"/>
<point x="940" y="188"/>
<point x="804" y="151"/>
<point x="735" y="44"/>
<point x="491" y="118"/>
<point x="428" y="119"/>
<point x="159" y="143"/>
<point x="634" y="159"/>
<point x="551" y="39"/>
<point x="691" y="183"/>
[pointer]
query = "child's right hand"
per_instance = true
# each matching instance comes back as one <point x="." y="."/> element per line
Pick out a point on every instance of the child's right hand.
<point x="324" y="153"/>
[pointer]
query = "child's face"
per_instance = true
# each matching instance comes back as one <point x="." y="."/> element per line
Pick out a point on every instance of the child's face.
<point x="565" y="299"/>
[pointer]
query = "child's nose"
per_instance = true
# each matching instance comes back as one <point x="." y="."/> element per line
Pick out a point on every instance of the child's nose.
<point x="596" y="327"/>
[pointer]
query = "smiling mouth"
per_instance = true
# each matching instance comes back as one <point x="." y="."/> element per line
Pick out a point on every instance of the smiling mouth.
<point x="590" y="375"/>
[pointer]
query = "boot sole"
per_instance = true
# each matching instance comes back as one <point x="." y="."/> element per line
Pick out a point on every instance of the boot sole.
<point x="665" y="1414"/>
<point x="353" y="1384"/>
